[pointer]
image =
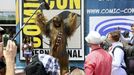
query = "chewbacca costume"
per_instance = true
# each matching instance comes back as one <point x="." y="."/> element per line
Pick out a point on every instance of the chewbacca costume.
<point x="58" y="31"/>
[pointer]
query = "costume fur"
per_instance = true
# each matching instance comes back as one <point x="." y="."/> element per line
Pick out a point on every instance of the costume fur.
<point x="52" y="29"/>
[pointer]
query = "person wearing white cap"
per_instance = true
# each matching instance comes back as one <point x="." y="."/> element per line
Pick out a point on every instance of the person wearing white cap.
<point x="98" y="61"/>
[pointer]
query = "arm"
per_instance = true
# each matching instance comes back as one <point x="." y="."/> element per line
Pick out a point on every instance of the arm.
<point x="71" y="24"/>
<point x="124" y="39"/>
<point x="9" y="55"/>
<point x="89" y="65"/>
<point x="41" y="22"/>
<point x="118" y="58"/>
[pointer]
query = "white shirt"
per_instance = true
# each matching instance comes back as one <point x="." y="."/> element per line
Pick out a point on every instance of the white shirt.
<point x="117" y="59"/>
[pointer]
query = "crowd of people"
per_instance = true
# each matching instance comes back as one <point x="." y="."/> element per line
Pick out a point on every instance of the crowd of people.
<point x="112" y="55"/>
<point x="98" y="62"/>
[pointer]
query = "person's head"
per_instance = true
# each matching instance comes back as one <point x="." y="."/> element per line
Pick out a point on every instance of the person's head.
<point x="132" y="28"/>
<point x="114" y="36"/>
<point x="57" y="21"/>
<point x="93" y="38"/>
<point x="77" y="71"/>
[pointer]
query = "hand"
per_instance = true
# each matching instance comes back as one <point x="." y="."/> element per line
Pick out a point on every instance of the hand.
<point x="1" y="49"/>
<point x="119" y="29"/>
<point x="72" y="19"/>
<point x="10" y="51"/>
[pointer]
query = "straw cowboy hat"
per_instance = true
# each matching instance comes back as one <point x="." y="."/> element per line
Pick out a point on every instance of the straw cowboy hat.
<point x="94" y="38"/>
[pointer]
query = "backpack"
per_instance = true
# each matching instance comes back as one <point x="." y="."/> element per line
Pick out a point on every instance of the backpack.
<point x="42" y="64"/>
<point x="129" y="60"/>
<point x="35" y="67"/>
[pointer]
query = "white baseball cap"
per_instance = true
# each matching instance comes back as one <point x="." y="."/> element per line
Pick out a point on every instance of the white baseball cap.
<point x="94" y="38"/>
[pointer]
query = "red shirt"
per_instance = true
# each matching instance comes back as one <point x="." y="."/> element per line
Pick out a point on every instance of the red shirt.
<point x="98" y="62"/>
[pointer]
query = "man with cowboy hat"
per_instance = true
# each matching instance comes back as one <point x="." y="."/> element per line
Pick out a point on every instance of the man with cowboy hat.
<point x="98" y="61"/>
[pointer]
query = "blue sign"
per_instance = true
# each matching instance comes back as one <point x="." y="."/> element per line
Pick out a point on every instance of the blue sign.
<point x="105" y="16"/>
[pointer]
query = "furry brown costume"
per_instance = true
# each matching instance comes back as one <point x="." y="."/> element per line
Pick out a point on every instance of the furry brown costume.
<point x="58" y="31"/>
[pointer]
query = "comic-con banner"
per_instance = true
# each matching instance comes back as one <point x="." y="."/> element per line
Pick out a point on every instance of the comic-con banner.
<point x="105" y="16"/>
<point x="63" y="15"/>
